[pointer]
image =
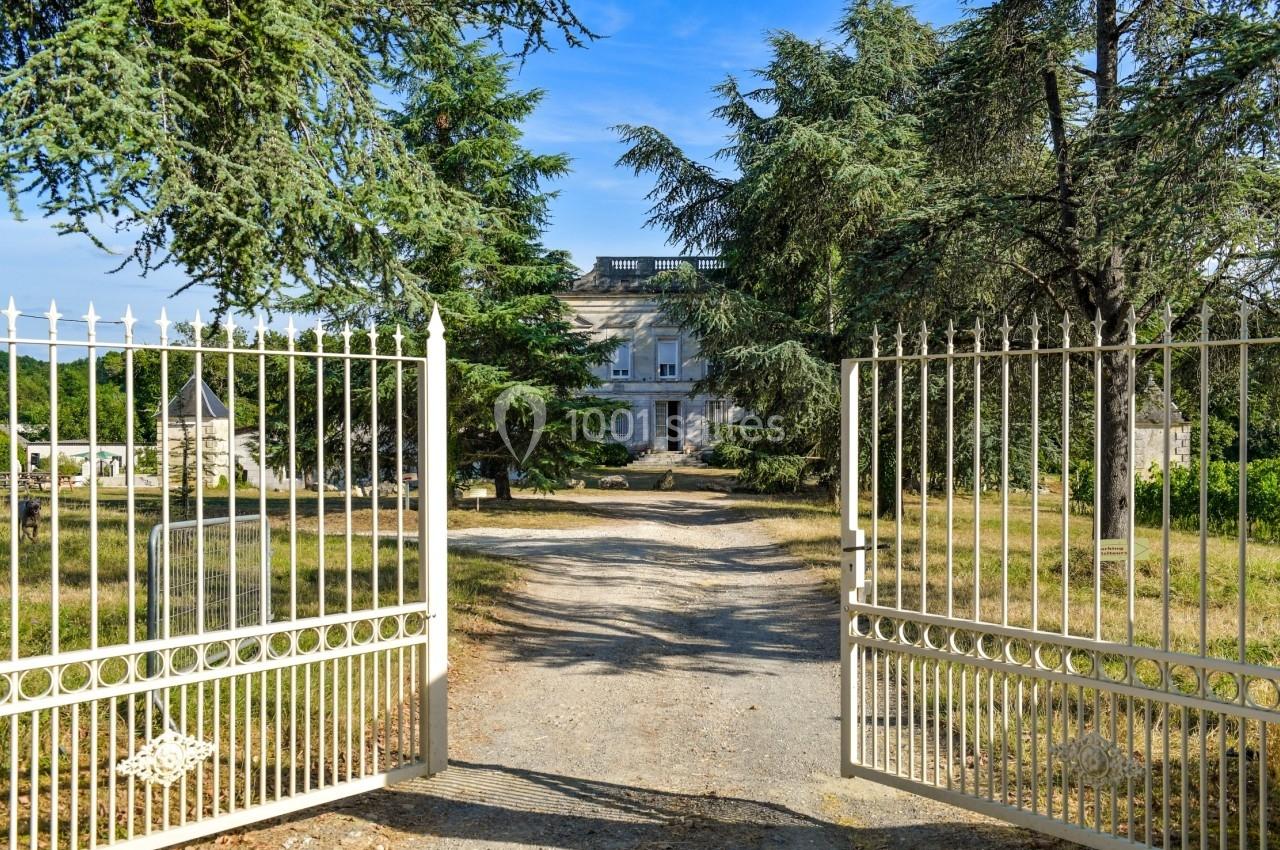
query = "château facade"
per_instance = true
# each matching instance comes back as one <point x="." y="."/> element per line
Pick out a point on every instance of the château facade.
<point x="656" y="363"/>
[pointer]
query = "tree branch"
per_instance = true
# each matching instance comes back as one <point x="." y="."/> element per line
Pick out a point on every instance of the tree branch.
<point x="1067" y="213"/>
<point x="1132" y="18"/>
<point x="1040" y="282"/>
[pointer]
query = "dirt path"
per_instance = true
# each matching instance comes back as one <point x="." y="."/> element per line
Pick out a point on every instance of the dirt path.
<point x="665" y="681"/>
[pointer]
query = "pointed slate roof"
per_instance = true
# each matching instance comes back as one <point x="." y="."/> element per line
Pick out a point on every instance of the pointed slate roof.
<point x="1150" y="406"/>
<point x="184" y="403"/>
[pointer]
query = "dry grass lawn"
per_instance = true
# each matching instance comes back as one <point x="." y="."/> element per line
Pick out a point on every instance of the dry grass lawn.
<point x="809" y="528"/>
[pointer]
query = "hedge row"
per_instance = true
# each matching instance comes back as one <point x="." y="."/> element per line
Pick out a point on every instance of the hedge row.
<point x="1221" y="492"/>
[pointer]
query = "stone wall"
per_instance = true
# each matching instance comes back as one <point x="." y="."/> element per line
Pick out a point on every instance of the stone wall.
<point x="1148" y="447"/>
<point x="213" y="446"/>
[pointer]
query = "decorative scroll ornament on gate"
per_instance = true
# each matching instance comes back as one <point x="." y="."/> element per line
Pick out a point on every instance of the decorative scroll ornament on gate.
<point x="165" y="758"/>
<point x="1096" y="761"/>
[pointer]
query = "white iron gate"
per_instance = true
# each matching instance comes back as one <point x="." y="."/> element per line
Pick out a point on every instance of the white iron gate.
<point x="332" y="684"/>
<point x="1000" y="650"/>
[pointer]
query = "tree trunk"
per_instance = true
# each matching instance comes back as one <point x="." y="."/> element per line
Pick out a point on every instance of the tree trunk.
<point x="1113" y="474"/>
<point x="502" y="485"/>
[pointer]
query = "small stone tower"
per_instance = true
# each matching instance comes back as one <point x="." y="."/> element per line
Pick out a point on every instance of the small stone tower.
<point x="1148" y="438"/>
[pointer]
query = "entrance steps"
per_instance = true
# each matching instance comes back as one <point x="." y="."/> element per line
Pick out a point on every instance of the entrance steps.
<point x="665" y="460"/>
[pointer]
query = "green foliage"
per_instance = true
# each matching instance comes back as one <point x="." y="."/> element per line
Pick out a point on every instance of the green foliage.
<point x="1222" y="496"/>
<point x="4" y="453"/>
<point x="148" y="462"/>
<point x="763" y="470"/>
<point x="247" y="142"/>
<point x="722" y="456"/>
<point x="1097" y="162"/>
<point x="66" y="465"/>
<point x="1088" y="186"/>
<point x="1080" y="481"/>
<point x="611" y="454"/>
<point x="73" y="399"/>
<point x="495" y="284"/>
<point x="33" y="380"/>
<point x="1015" y="163"/>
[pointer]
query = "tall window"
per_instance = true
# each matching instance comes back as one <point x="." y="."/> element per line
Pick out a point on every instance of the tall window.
<point x="668" y="358"/>
<point x="620" y="367"/>
<point x="717" y="416"/>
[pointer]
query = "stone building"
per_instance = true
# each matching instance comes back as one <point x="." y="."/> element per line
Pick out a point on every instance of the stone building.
<point x="655" y="365"/>
<point x="212" y="441"/>
<point x="1148" y="436"/>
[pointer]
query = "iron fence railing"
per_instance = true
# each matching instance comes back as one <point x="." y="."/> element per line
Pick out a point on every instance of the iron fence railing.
<point x="1087" y="676"/>
<point x="162" y="686"/>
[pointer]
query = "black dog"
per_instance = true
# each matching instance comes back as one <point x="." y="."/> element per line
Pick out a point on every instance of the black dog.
<point x="29" y="518"/>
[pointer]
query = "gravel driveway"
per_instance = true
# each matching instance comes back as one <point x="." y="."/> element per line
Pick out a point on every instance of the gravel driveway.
<point x="668" y="680"/>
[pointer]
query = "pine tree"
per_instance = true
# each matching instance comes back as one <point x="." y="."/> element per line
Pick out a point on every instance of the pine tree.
<point x="1066" y="179"/>
<point x="825" y="152"/>
<point x="245" y="141"/>
<point x="495" y="284"/>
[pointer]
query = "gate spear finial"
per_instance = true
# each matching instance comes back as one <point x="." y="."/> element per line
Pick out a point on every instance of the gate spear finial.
<point x="91" y="319"/>
<point x="12" y="313"/>
<point x="53" y="316"/>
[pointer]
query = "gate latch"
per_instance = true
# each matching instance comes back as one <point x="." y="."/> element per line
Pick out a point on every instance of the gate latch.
<point x="855" y="558"/>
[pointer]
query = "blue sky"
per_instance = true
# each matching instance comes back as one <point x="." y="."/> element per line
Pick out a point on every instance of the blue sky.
<point x="656" y="65"/>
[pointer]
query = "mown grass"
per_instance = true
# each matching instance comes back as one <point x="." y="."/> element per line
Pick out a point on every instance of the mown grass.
<point x="474" y="579"/>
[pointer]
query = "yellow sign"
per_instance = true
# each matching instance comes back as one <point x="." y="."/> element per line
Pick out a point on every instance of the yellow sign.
<point x="476" y="493"/>
<point x="1117" y="549"/>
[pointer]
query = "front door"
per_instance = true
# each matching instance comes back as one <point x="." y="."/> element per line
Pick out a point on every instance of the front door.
<point x="675" y="441"/>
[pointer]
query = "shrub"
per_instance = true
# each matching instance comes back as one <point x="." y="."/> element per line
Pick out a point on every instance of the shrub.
<point x="1080" y="480"/>
<point x="1221" y="496"/>
<point x="612" y="454"/>
<point x="721" y="456"/>
<point x="66" y="465"/>
<point x="148" y="462"/>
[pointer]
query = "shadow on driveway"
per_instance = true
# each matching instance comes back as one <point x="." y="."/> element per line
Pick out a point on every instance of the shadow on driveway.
<point x="474" y="802"/>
